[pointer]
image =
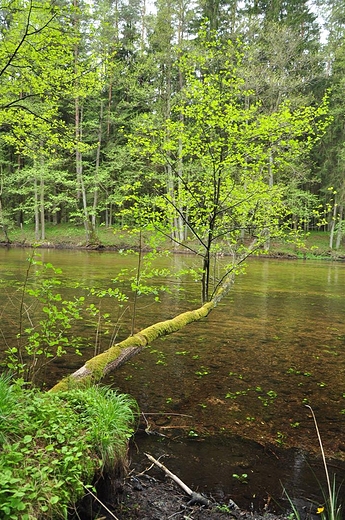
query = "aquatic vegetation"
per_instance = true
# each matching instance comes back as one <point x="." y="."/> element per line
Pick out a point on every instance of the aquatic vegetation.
<point x="280" y="438"/>
<point x="243" y="477"/>
<point x="234" y="395"/>
<point x="203" y="371"/>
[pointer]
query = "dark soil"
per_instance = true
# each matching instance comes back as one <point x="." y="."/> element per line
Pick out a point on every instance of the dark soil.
<point x="150" y="495"/>
<point x="150" y="499"/>
<point x="147" y="498"/>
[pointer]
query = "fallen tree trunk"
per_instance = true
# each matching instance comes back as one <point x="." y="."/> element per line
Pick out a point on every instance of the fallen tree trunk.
<point x="99" y="366"/>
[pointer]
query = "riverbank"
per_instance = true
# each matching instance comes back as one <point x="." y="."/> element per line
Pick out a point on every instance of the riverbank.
<point x="148" y="495"/>
<point x="314" y="245"/>
<point x="149" y="498"/>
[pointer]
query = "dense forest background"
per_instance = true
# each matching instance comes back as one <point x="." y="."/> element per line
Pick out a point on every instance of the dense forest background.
<point x="119" y="112"/>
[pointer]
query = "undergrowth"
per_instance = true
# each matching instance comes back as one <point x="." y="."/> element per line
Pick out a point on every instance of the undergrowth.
<point x="53" y="445"/>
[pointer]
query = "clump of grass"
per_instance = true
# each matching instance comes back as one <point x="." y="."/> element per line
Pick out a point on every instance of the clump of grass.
<point x="106" y="423"/>
<point x="55" y="444"/>
<point x="331" y="509"/>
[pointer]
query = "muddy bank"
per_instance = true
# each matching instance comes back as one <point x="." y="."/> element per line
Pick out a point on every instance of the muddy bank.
<point x="150" y="498"/>
<point x="148" y="495"/>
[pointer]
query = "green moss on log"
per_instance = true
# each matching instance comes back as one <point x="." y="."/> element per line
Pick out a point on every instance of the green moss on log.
<point x="96" y="368"/>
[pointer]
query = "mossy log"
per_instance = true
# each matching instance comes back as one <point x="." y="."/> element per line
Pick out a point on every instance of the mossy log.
<point x="99" y="366"/>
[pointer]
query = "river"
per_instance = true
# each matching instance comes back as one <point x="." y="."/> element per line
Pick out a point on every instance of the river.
<point x="226" y="395"/>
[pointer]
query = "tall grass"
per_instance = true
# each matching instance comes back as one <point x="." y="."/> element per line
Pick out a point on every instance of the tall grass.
<point x="106" y="415"/>
<point x="331" y="509"/>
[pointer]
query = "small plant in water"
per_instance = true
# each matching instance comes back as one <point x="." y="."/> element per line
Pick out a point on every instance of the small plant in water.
<point x="295" y="425"/>
<point x="224" y="509"/>
<point x="234" y="395"/>
<point x="280" y="439"/>
<point x="241" y="478"/>
<point x="203" y="371"/>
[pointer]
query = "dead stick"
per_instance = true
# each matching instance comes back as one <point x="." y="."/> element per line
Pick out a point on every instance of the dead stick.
<point x="195" y="497"/>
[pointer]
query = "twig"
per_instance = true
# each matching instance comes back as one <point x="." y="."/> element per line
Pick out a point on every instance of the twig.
<point x="98" y="500"/>
<point x="195" y="497"/>
<point x="147" y="469"/>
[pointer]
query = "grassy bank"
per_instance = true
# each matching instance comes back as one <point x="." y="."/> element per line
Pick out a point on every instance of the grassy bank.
<point x="315" y="244"/>
<point x="54" y="446"/>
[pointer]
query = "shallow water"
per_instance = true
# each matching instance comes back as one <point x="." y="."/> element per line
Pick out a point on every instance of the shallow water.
<point x="228" y="392"/>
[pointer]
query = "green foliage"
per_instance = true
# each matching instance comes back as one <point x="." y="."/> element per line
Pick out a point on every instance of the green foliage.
<point x="243" y="477"/>
<point x="76" y="80"/>
<point x="54" y="444"/>
<point x="45" y="321"/>
<point x="37" y="70"/>
<point x="223" y="152"/>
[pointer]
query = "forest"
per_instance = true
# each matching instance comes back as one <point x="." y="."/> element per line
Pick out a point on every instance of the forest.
<point x="215" y="124"/>
<point x="210" y="119"/>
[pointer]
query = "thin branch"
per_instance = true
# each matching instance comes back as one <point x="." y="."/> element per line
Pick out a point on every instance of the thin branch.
<point x="20" y="43"/>
<point x="178" y="242"/>
<point x="184" y="220"/>
<point x="231" y="271"/>
<point x="99" y="501"/>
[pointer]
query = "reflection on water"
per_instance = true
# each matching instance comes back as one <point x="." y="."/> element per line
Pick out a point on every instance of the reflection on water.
<point x="275" y="344"/>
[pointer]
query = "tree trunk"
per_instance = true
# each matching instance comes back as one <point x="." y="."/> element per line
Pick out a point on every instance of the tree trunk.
<point x="96" y="185"/>
<point x="340" y="227"/>
<point x="37" y="214"/>
<point x="332" y="226"/>
<point x="99" y="366"/>
<point x="42" y="213"/>
<point x="79" y="167"/>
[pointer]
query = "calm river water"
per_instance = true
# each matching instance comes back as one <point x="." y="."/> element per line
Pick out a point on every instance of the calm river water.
<point x="226" y="395"/>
